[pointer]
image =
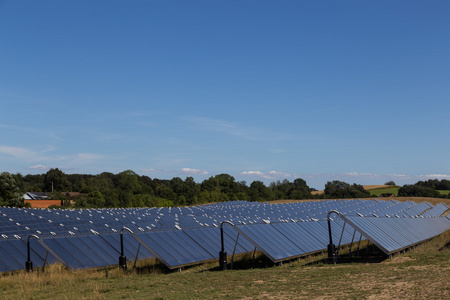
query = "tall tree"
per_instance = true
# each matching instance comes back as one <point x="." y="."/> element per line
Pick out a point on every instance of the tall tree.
<point x="9" y="191"/>
<point x="56" y="180"/>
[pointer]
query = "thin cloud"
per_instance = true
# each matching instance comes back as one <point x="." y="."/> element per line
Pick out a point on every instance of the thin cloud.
<point x="182" y="171"/>
<point x="434" y="176"/>
<point x="361" y="175"/>
<point x="19" y="152"/>
<point x="42" y="161"/>
<point x="150" y="170"/>
<point x="221" y="126"/>
<point x="39" y="167"/>
<point x="238" y="130"/>
<point x="269" y="175"/>
<point x="193" y="171"/>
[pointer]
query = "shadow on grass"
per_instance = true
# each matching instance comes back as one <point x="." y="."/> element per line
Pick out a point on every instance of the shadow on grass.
<point x="246" y="263"/>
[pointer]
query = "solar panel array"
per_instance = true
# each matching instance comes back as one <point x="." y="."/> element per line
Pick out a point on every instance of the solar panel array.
<point x="396" y="234"/>
<point x="183" y="236"/>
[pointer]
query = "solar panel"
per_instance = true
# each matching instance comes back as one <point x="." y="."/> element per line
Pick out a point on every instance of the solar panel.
<point x="270" y="242"/>
<point x="394" y="234"/>
<point x="187" y="235"/>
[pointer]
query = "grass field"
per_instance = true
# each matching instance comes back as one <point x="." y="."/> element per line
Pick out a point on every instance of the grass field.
<point x="422" y="274"/>
<point x="385" y="190"/>
<point x="373" y="189"/>
<point x="444" y="192"/>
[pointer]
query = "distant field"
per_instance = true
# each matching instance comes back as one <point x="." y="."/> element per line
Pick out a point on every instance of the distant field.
<point x="385" y="190"/>
<point x="375" y="189"/>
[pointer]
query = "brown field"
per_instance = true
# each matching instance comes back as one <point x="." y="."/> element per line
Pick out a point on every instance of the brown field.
<point x="433" y="201"/>
<point x="366" y="187"/>
<point x="375" y="186"/>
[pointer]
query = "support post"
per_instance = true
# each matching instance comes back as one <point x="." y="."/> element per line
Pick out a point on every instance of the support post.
<point x="331" y="247"/>
<point x="122" y="258"/>
<point x="29" y="263"/>
<point x="222" y="253"/>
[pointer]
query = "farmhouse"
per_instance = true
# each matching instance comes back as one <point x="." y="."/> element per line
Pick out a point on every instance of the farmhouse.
<point x="39" y="200"/>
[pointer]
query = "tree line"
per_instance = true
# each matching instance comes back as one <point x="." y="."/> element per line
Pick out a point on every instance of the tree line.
<point x="128" y="189"/>
<point x="429" y="188"/>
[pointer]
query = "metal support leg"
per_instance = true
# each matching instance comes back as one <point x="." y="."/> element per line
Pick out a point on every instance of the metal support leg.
<point x="234" y="251"/>
<point x="136" y="258"/>
<point x="222" y="253"/>
<point x="29" y="263"/>
<point x="350" y="248"/>
<point x="45" y="261"/>
<point x="122" y="258"/>
<point x="359" y="243"/>
<point x="331" y="247"/>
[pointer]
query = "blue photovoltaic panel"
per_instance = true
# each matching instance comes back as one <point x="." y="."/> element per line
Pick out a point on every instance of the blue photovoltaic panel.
<point x="293" y="232"/>
<point x="315" y="230"/>
<point x="109" y="255"/>
<point x="59" y="246"/>
<point x="230" y="237"/>
<point x="10" y="260"/>
<point x="192" y="235"/>
<point x="270" y="242"/>
<point x="436" y="211"/>
<point x="207" y="238"/>
<point x="175" y="248"/>
<point x="374" y="234"/>
<point x="394" y="234"/>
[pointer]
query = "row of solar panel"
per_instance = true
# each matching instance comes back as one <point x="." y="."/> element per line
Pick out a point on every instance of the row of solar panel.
<point x="279" y="241"/>
<point x="394" y="234"/>
<point x="70" y="222"/>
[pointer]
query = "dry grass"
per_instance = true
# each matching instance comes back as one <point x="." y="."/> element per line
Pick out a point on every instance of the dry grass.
<point x="366" y="187"/>
<point x="433" y="201"/>
<point x="375" y="186"/>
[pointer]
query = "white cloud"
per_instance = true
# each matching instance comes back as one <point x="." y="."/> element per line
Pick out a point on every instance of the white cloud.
<point x="257" y="173"/>
<point x="365" y="175"/>
<point x="38" y="167"/>
<point x="150" y="170"/>
<point x="194" y="171"/>
<point x="269" y="175"/>
<point x="434" y="176"/>
<point x="280" y="174"/>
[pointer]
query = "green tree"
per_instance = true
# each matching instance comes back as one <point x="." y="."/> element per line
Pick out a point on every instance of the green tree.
<point x="9" y="191"/>
<point x="56" y="180"/>
<point x="259" y="191"/>
<point x="300" y="190"/>
<point x="191" y="191"/>
<point x="96" y="199"/>
<point x="339" y="189"/>
<point x="417" y="191"/>
<point x="128" y="185"/>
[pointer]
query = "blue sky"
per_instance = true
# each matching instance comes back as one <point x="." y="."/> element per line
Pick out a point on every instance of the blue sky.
<point x="357" y="91"/>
